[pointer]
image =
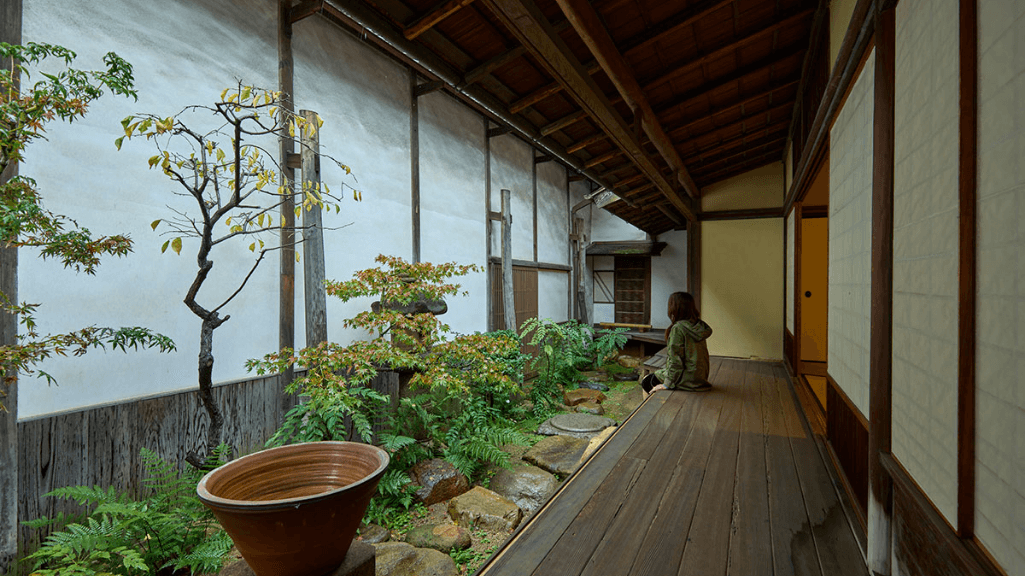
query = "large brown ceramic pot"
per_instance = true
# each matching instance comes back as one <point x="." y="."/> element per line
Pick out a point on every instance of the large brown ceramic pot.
<point x="293" y="510"/>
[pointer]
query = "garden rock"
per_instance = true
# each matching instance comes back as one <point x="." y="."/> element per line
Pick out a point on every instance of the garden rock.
<point x="589" y="407"/>
<point x="374" y="534"/>
<point x="529" y="487"/>
<point x="627" y="376"/>
<point x="631" y="362"/>
<point x="594" y="385"/>
<point x="574" y="397"/>
<point x="594" y="443"/>
<point x="557" y="454"/>
<point x="441" y="537"/>
<point x="439" y="481"/>
<point x="482" y="507"/>
<point x="401" y="559"/>
<point x="578" y="425"/>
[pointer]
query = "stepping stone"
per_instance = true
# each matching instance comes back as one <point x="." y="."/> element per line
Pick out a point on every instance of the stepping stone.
<point x="441" y="537"/>
<point x="626" y="376"/>
<point x="574" y="397"/>
<point x="593" y="386"/>
<point x="401" y="559"/>
<point x="629" y="362"/>
<point x="484" y="508"/>
<point x="590" y="408"/>
<point x="374" y="534"/>
<point x="576" y="425"/>
<point x="557" y="454"/>
<point x="439" y="481"/>
<point x="529" y="487"/>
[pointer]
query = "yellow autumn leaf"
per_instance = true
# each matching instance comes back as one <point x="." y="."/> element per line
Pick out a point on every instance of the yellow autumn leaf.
<point x="252" y="247"/>
<point x="164" y="247"/>
<point x="176" y="245"/>
<point x="223" y="94"/>
<point x="155" y="224"/>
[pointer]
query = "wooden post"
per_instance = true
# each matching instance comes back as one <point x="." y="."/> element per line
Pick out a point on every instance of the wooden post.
<point x="694" y="260"/>
<point x="880" y="497"/>
<point x="414" y="159"/>
<point x="487" y="223"/>
<point x="581" y="266"/>
<point x="798" y="318"/>
<point x="286" y="265"/>
<point x="314" y="293"/>
<point x="10" y="32"/>
<point x="508" y="296"/>
<point x="533" y="179"/>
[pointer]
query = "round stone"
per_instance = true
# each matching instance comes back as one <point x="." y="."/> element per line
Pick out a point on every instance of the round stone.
<point x="578" y="422"/>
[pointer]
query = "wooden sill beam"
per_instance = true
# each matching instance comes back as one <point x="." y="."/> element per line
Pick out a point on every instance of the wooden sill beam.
<point x="432" y="18"/>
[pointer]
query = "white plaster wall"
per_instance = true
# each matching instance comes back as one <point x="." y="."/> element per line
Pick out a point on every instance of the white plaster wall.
<point x="607" y="227"/>
<point x="668" y="275"/>
<point x="365" y="102"/>
<point x="604" y="312"/>
<point x="511" y="164"/>
<point x="552" y="208"/>
<point x="850" y="231"/>
<point x="790" y="271"/>
<point x="183" y="52"/>
<point x="1000" y="353"/>
<point x="452" y="199"/>
<point x="925" y="239"/>
<point x="553" y="295"/>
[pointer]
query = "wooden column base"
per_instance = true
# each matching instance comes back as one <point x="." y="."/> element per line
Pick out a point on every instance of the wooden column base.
<point x="359" y="561"/>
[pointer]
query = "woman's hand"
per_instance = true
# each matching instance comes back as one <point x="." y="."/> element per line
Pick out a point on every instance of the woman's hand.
<point x="657" y="388"/>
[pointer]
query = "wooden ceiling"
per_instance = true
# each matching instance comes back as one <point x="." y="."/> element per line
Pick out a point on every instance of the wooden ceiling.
<point x="654" y="99"/>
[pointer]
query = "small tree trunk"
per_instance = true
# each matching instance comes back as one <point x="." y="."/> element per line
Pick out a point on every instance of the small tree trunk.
<point x="206" y="395"/>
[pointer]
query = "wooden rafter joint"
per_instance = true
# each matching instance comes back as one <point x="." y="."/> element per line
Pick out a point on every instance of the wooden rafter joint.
<point x="493" y="132"/>
<point x="429" y="20"/>
<point x="427" y="88"/>
<point x="304" y="10"/>
<point x="543" y="158"/>
<point x="496" y="216"/>
<point x="294" y="161"/>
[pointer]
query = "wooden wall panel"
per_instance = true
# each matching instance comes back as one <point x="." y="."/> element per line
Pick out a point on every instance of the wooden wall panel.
<point x="847" y="432"/>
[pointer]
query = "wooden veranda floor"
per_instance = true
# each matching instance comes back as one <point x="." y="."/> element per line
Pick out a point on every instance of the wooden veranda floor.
<point x="724" y="482"/>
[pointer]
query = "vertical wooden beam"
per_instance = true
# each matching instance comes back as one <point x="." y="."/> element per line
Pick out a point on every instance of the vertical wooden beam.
<point x="414" y="160"/>
<point x="487" y="223"/>
<point x="10" y="32"/>
<point x="581" y="266"/>
<point x="533" y="180"/>
<point x="967" y="173"/>
<point x="314" y="293"/>
<point x="508" y="296"/>
<point x="694" y="260"/>
<point x="286" y="147"/>
<point x="880" y="498"/>
<point x="798" y="240"/>
<point x="569" y="250"/>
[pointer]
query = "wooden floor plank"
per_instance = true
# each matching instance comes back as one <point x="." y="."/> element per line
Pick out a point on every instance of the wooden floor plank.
<point x="793" y="548"/>
<point x="709" y="538"/>
<point x="529" y="547"/>
<point x="750" y="552"/>
<point x="835" y="543"/>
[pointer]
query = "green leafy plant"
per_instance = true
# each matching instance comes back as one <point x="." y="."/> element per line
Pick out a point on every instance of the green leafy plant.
<point x="64" y="94"/>
<point x="166" y="531"/>
<point x="605" y="344"/>
<point x="562" y="350"/>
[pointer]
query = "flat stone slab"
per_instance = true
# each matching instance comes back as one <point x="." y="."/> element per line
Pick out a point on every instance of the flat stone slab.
<point x="600" y="386"/>
<point x="590" y="408"/>
<point x="360" y="560"/>
<point x="577" y="425"/>
<point x="526" y="486"/>
<point x="484" y="508"/>
<point x="559" y="454"/>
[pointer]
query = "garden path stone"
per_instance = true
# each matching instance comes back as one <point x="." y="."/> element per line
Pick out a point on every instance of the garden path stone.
<point x="574" y="397"/>
<point x="484" y="508"/>
<point x="359" y="561"/>
<point x="557" y="454"/>
<point x="441" y="537"/>
<point x="629" y="362"/>
<point x="439" y="481"/>
<point x="374" y="534"/>
<point x="626" y="376"/>
<point x="529" y="487"/>
<point x="588" y="407"/>
<point x="577" y="425"/>
<point x="594" y="385"/>
<point x="401" y="559"/>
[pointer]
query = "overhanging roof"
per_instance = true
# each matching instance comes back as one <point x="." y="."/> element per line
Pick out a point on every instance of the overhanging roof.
<point x="631" y="248"/>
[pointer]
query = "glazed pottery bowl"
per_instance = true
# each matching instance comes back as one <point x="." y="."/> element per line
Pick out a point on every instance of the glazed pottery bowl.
<point x="293" y="510"/>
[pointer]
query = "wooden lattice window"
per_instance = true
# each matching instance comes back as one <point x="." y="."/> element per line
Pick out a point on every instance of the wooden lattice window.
<point x="633" y="289"/>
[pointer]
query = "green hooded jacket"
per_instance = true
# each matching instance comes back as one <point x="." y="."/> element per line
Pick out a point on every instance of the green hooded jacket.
<point x="687" y="355"/>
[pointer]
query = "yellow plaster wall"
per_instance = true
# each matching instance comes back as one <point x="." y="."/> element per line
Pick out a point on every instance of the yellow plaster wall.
<point x="758" y="188"/>
<point x="741" y="281"/>
<point x="840" y="12"/>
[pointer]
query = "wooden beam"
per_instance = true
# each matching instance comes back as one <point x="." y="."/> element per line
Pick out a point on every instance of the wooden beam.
<point x="508" y="294"/>
<point x="500" y="130"/>
<point x="592" y="30"/>
<point x="314" y="274"/>
<point x="724" y="145"/>
<point x="426" y="88"/>
<point x="727" y="48"/>
<point x="528" y="24"/>
<point x="286" y="149"/>
<point x="563" y="122"/>
<point x="819" y="26"/>
<point x="634" y="192"/>
<point x="543" y="158"/>
<point x="775" y="110"/>
<point x="587" y="142"/>
<point x="414" y="161"/>
<point x="750" y="164"/>
<point x="576" y="178"/>
<point x="694" y="260"/>
<point x="603" y="158"/>
<point x="856" y="42"/>
<point x="432" y="18"/>
<point x="544" y="92"/>
<point x="667" y="210"/>
<point x="752" y="149"/>
<point x="752" y="214"/>
<point x="968" y="192"/>
<point x="304" y="10"/>
<point x="880" y="497"/>
<point x="672" y="24"/>
<point x="496" y="62"/>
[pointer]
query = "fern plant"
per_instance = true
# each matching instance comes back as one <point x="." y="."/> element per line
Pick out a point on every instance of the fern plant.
<point x="167" y="531"/>
<point x="606" y="344"/>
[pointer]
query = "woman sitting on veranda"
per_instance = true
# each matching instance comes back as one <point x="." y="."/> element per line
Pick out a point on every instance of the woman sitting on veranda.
<point x="686" y="365"/>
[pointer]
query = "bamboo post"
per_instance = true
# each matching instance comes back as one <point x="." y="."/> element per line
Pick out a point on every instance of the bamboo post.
<point x="315" y="295"/>
<point x="508" y="296"/>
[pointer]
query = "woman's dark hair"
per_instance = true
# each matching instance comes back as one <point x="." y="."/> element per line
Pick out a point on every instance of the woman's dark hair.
<point x="681" y="307"/>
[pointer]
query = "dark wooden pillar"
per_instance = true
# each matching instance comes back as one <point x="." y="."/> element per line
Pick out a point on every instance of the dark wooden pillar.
<point x="10" y="32"/>
<point x="798" y="240"/>
<point x="414" y="159"/>
<point x="880" y="501"/>
<point x="967" y="172"/>
<point x="286" y="266"/>
<point x="694" y="260"/>
<point x="314" y="293"/>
